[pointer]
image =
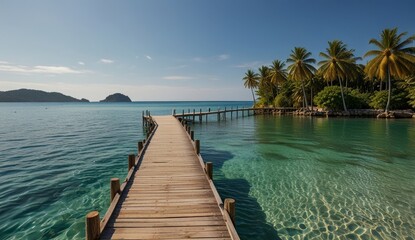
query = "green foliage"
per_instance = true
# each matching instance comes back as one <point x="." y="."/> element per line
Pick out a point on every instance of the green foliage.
<point x="411" y="97"/>
<point x="399" y="99"/>
<point x="282" y="100"/>
<point x="262" y="102"/>
<point x="329" y="98"/>
<point x="357" y="100"/>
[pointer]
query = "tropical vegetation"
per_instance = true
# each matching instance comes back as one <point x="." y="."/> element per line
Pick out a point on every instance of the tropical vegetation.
<point x="251" y="81"/>
<point x="386" y="81"/>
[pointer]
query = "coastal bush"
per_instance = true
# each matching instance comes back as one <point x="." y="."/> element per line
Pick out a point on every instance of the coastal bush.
<point x="261" y="102"/>
<point x="282" y="100"/>
<point x="399" y="100"/>
<point x="329" y="98"/>
<point x="357" y="100"/>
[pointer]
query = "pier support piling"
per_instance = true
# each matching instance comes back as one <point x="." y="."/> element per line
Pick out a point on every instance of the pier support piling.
<point x="197" y="146"/>
<point x="92" y="226"/>
<point x="115" y="187"/>
<point x="131" y="161"/>
<point x="209" y="170"/>
<point x="230" y="208"/>
<point x="192" y="135"/>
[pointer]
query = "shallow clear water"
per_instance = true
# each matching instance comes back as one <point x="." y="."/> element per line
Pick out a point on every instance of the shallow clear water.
<point x="305" y="178"/>
<point x="292" y="177"/>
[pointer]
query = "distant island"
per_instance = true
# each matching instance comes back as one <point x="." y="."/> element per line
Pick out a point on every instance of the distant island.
<point x="30" y="95"/>
<point x="117" y="97"/>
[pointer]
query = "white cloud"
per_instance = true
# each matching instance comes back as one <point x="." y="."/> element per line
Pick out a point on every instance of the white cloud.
<point x="149" y="58"/>
<point x="223" y="57"/>
<point x="81" y="63"/>
<point x="254" y="64"/>
<point x="107" y="61"/>
<point x="177" y="78"/>
<point x="37" y="69"/>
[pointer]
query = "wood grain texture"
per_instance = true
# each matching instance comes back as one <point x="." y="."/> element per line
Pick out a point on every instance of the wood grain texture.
<point x="170" y="196"/>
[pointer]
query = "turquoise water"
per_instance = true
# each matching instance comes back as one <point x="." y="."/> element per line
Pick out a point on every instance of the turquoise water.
<point x="293" y="177"/>
<point x="316" y="178"/>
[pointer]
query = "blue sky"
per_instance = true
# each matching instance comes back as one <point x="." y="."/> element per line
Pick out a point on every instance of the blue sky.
<point x="174" y="50"/>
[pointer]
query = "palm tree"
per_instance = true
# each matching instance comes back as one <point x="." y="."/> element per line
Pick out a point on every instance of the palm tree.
<point x="265" y="84"/>
<point x="301" y="68"/>
<point x="251" y="81"/>
<point x="339" y="63"/>
<point x="393" y="58"/>
<point x="277" y="73"/>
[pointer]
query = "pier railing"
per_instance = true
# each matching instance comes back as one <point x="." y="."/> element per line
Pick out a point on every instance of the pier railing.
<point x="94" y="226"/>
<point x="222" y="114"/>
<point x="227" y="207"/>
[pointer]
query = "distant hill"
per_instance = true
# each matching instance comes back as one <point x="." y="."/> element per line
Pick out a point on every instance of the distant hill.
<point x="29" y="95"/>
<point x="116" y="97"/>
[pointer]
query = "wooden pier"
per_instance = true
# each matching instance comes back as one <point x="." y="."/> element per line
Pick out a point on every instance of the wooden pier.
<point x="168" y="192"/>
<point x="223" y="114"/>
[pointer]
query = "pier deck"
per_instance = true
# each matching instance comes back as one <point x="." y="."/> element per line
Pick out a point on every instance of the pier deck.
<point x="169" y="196"/>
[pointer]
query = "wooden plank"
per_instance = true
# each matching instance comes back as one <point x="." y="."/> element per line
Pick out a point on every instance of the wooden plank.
<point x="169" y="196"/>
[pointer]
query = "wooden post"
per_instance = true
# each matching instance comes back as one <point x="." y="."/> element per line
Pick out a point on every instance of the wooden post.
<point x="197" y="145"/>
<point x="209" y="170"/>
<point x="131" y="161"/>
<point x="230" y="208"/>
<point x="200" y="116"/>
<point x="224" y="115"/>
<point x="115" y="187"/>
<point x="144" y="141"/>
<point x="140" y="146"/>
<point x="192" y="135"/>
<point x="218" y="115"/>
<point x="193" y="115"/>
<point x="92" y="226"/>
<point x="183" y="114"/>
<point x="231" y="112"/>
<point x="237" y="111"/>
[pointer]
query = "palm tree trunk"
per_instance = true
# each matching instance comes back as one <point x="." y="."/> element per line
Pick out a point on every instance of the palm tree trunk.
<point x="341" y="90"/>
<point x="304" y="95"/>
<point x="311" y="93"/>
<point x="253" y="96"/>
<point x="389" y="90"/>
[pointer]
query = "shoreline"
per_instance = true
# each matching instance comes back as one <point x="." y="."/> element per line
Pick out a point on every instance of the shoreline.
<point x="355" y="113"/>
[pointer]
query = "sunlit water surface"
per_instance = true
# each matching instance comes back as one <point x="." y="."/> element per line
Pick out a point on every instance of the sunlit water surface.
<point x="293" y="177"/>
